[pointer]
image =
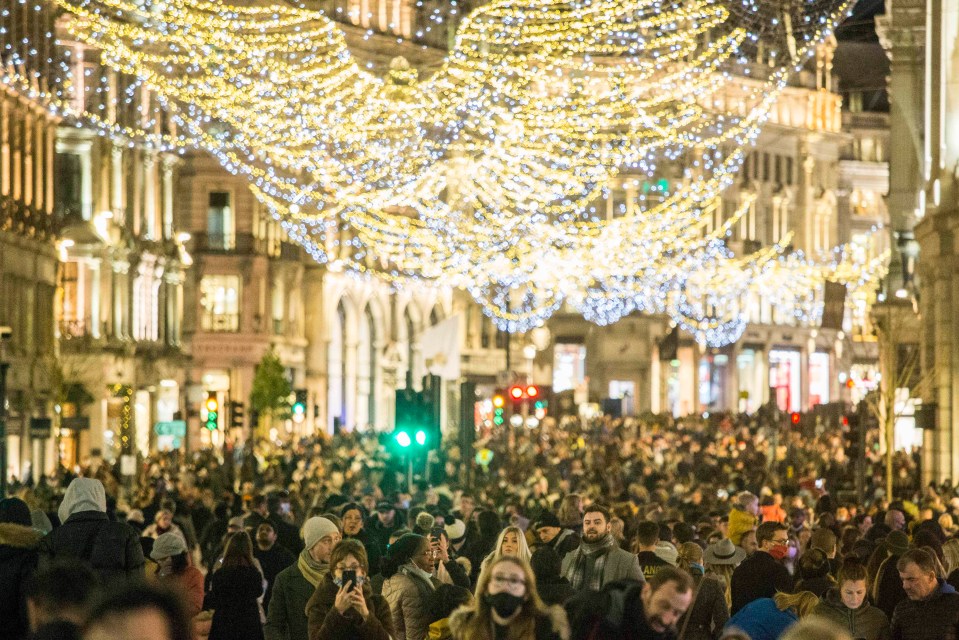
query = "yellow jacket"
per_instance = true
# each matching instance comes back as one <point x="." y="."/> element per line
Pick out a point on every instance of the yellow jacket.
<point x="739" y="523"/>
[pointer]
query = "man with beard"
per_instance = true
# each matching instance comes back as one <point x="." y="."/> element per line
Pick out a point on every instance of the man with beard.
<point x="598" y="560"/>
<point x="273" y="558"/>
<point x="630" y="610"/>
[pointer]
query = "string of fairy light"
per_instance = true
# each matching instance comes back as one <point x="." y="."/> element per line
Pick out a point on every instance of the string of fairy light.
<point x="489" y="175"/>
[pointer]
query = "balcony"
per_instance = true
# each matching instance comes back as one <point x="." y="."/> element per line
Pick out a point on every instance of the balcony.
<point x="220" y="322"/>
<point x="244" y="244"/>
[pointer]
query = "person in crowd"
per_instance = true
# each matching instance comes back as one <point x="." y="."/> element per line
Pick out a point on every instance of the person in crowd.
<point x="235" y="589"/>
<point x="176" y="572"/>
<point x="162" y="523"/>
<point x="814" y="628"/>
<point x="550" y="532"/>
<point x="570" y="513"/>
<point x="598" y="560"/>
<point x="18" y="561"/>
<point x="743" y="516"/>
<point x="111" y="548"/>
<point x="950" y="551"/>
<point x="286" y="617"/>
<point x="257" y="514"/>
<point x="379" y="527"/>
<point x="709" y="611"/>
<point x="762" y="574"/>
<point x="272" y="557"/>
<point x="446" y="569"/>
<point x="826" y="541"/>
<point x="633" y="610"/>
<point x="888" y="588"/>
<point x="138" y="612"/>
<point x="344" y="607"/>
<point x="511" y="542"/>
<point x="768" y="618"/>
<point x="847" y="605"/>
<point x="488" y="528"/>
<point x="59" y="599"/>
<point x="354" y="528"/>
<point x="895" y="520"/>
<point x="507" y="605"/>
<point x="552" y="586"/>
<point x="280" y="512"/>
<point x="748" y="542"/>
<point x="813" y="573"/>
<point x="447" y="599"/>
<point x="931" y="608"/>
<point x="645" y="546"/>
<point x="721" y="559"/>
<point x="409" y="585"/>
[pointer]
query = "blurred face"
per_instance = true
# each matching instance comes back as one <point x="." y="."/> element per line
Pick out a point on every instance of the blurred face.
<point x="665" y="606"/>
<point x="510" y="546"/>
<point x="853" y="592"/>
<point x="917" y="583"/>
<point x="546" y="534"/>
<point x="467" y="505"/>
<point x="146" y="623"/>
<point x="265" y="536"/>
<point x="164" y="519"/>
<point x="352" y="522"/>
<point x="748" y="542"/>
<point x="509" y="578"/>
<point x="595" y="526"/>
<point x="386" y="517"/>
<point x="320" y="552"/>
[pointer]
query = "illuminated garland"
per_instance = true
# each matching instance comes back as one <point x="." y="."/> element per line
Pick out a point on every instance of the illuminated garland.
<point x="488" y="175"/>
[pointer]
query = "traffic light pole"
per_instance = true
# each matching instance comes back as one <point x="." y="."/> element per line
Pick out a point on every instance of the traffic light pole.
<point x="3" y="429"/>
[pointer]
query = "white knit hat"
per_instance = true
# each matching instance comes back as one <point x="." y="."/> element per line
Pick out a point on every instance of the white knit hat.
<point x="168" y="544"/>
<point x="317" y="528"/>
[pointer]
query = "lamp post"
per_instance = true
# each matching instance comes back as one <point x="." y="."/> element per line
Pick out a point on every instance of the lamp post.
<point x="5" y="334"/>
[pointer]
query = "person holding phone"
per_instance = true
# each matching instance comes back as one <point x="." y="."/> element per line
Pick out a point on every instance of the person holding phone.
<point x="445" y="567"/>
<point x="344" y="606"/>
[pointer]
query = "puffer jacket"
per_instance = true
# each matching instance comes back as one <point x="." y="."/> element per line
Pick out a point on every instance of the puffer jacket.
<point x="933" y="618"/>
<point x="409" y="597"/>
<point x="18" y="561"/>
<point x="866" y="622"/>
<point x="326" y="623"/>
<point x="739" y="523"/>
<point x="551" y="624"/>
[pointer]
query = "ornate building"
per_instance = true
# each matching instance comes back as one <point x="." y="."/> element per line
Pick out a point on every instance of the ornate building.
<point x="28" y="259"/>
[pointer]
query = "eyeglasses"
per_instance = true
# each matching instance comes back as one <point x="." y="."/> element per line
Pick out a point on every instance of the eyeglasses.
<point x="352" y="567"/>
<point x="780" y="540"/>
<point x="509" y="581"/>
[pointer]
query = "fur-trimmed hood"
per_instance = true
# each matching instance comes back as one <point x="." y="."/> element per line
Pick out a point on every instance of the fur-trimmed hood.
<point x="18" y="536"/>
<point x="556" y="616"/>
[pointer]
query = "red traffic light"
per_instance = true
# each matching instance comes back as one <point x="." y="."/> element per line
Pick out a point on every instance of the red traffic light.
<point x="516" y="393"/>
<point x="795" y="417"/>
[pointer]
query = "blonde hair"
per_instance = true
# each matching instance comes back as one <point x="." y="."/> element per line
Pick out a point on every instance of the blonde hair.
<point x="816" y="628"/>
<point x="950" y="551"/>
<point x="479" y="626"/>
<point x="724" y="572"/>
<point x="689" y="553"/>
<point x="523" y="552"/>
<point x="803" y="602"/>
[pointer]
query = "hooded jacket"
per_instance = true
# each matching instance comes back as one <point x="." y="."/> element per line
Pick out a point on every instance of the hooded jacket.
<point x="18" y="561"/>
<point x="111" y="548"/>
<point x="867" y="621"/>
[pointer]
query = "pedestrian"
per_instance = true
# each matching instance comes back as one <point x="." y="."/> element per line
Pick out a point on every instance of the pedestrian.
<point x="507" y="605"/>
<point x="813" y="573"/>
<point x="598" y="560"/>
<point x="511" y="542"/>
<point x="720" y="559"/>
<point x="295" y="585"/>
<point x="762" y="574"/>
<point x="111" y="548"/>
<point x="344" y="607"/>
<point x="553" y="588"/>
<point x="632" y="610"/>
<point x="272" y="557"/>
<point x="847" y="605"/>
<point x="550" y="532"/>
<point x="931" y="607"/>
<point x="59" y="599"/>
<point x="888" y="589"/>
<point x="18" y="561"/>
<point x="709" y="611"/>
<point x="743" y="516"/>
<point x="354" y="527"/>
<point x="409" y="585"/>
<point x="235" y="588"/>
<point x="815" y="628"/>
<point x="162" y="523"/>
<point x="447" y="599"/>
<point x="647" y="539"/>
<point x="768" y="618"/>
<point x="175" y="571"/>
<point x="138" y="612"/>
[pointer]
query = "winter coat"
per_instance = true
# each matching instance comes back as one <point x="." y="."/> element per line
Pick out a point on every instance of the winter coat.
<point x="555" y="591"/>
<point x="615" y="612"/>
<point x="762" y="620"/>
<point x="758" y="576"/>
<point x="286" y="618"/>
<point x="18" y="561"/>
<point x="272" y="561"/>
<point x="326" y="623"/>
<point x="565" y="541"/>
<point x="233" y="597"/>
<point x="188" y="584"/>
<point x="707" y="612"/>
<point x="619" y="565"/>
<point x="550" y="625"/>
<point x="739" y="523"/>
<point x="888" y="587"/>
<point x="935" y="618"/>
<point x="409" y="596"/>
<point x="866" y="622"/>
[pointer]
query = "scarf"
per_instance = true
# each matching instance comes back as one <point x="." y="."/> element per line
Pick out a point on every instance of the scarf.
<point x="312" y="570"/>
<point x="586" y="570"/>
<point x="411" y="569"/>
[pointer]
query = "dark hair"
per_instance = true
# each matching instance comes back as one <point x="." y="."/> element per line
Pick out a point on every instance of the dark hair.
<point x="919" y="557"/>
<point x="682" y="579"/>
<point x="134" y="597"/>
<point x="647" y="533"/>
<point x="824" y="539"/>
<point x="851" y="569"/>
<point x="65" y="583"/>
<point x="446" y="599"/>
<point x="767" y="530"/>
<point x="400" y="553"/>
<point x="489" y="524"/>
<point x="353" y="506"/>
<point x="350" y="546"/>
<point x="603" y="509"/>
<point x="238" y="551"/>
<point x="813" y="564"/>
<point x="179" y="562"/>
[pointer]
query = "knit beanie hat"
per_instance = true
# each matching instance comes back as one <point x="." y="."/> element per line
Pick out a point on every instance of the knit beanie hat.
<point x="168" y="544"/>
<point x="15" y="511"/>
<point x="317" y="528"/>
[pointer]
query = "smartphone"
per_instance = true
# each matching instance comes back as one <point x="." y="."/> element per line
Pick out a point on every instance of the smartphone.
<point x="349" y="578"/>
<point x="437" y="532"/>
<point x="819" y="483"/>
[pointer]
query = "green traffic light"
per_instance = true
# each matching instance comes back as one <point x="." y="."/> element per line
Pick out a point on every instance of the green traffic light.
<point x="498" y="420"/>
<point x="299" y="408"/>
<point x="421" y="437"/>
<point x="403" y="439"/>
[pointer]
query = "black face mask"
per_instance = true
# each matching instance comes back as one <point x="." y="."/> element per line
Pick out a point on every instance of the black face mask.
<point x="504" y="604"/>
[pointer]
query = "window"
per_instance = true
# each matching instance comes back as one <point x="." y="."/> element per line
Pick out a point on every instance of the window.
<point x="569" y="366"/>
<point x="220" y="302"/>
<point x="220" y="227"/>
<point x="69" y="192"/>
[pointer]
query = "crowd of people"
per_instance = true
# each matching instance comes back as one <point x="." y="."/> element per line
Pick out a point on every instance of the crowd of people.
<point x="639" y="528"/>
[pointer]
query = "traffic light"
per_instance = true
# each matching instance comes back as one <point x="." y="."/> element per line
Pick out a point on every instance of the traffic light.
<point x="236" y="415"/>
<point x="212" y="407"/>
<point x="415" y="428"/>
<point x="299" y="405"/>
<point x="499" y="407"/>
<point x="795" y="418"/>
<point x="520" y="392"/>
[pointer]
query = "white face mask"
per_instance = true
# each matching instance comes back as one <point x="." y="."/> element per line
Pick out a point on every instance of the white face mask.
<point x="791" y="552"/>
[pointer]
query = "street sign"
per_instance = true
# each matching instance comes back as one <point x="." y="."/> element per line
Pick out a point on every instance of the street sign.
<point x="40" y="428"/>
<point x="176" y="428"/>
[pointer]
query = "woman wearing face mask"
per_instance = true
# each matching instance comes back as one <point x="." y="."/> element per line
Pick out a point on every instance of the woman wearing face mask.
<point x="511" y="542"/>
<point x="409" y="585"/>
<point x="344" y="607"/>
<point x="507" y="606"/>
<point x="846" y="605"/>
